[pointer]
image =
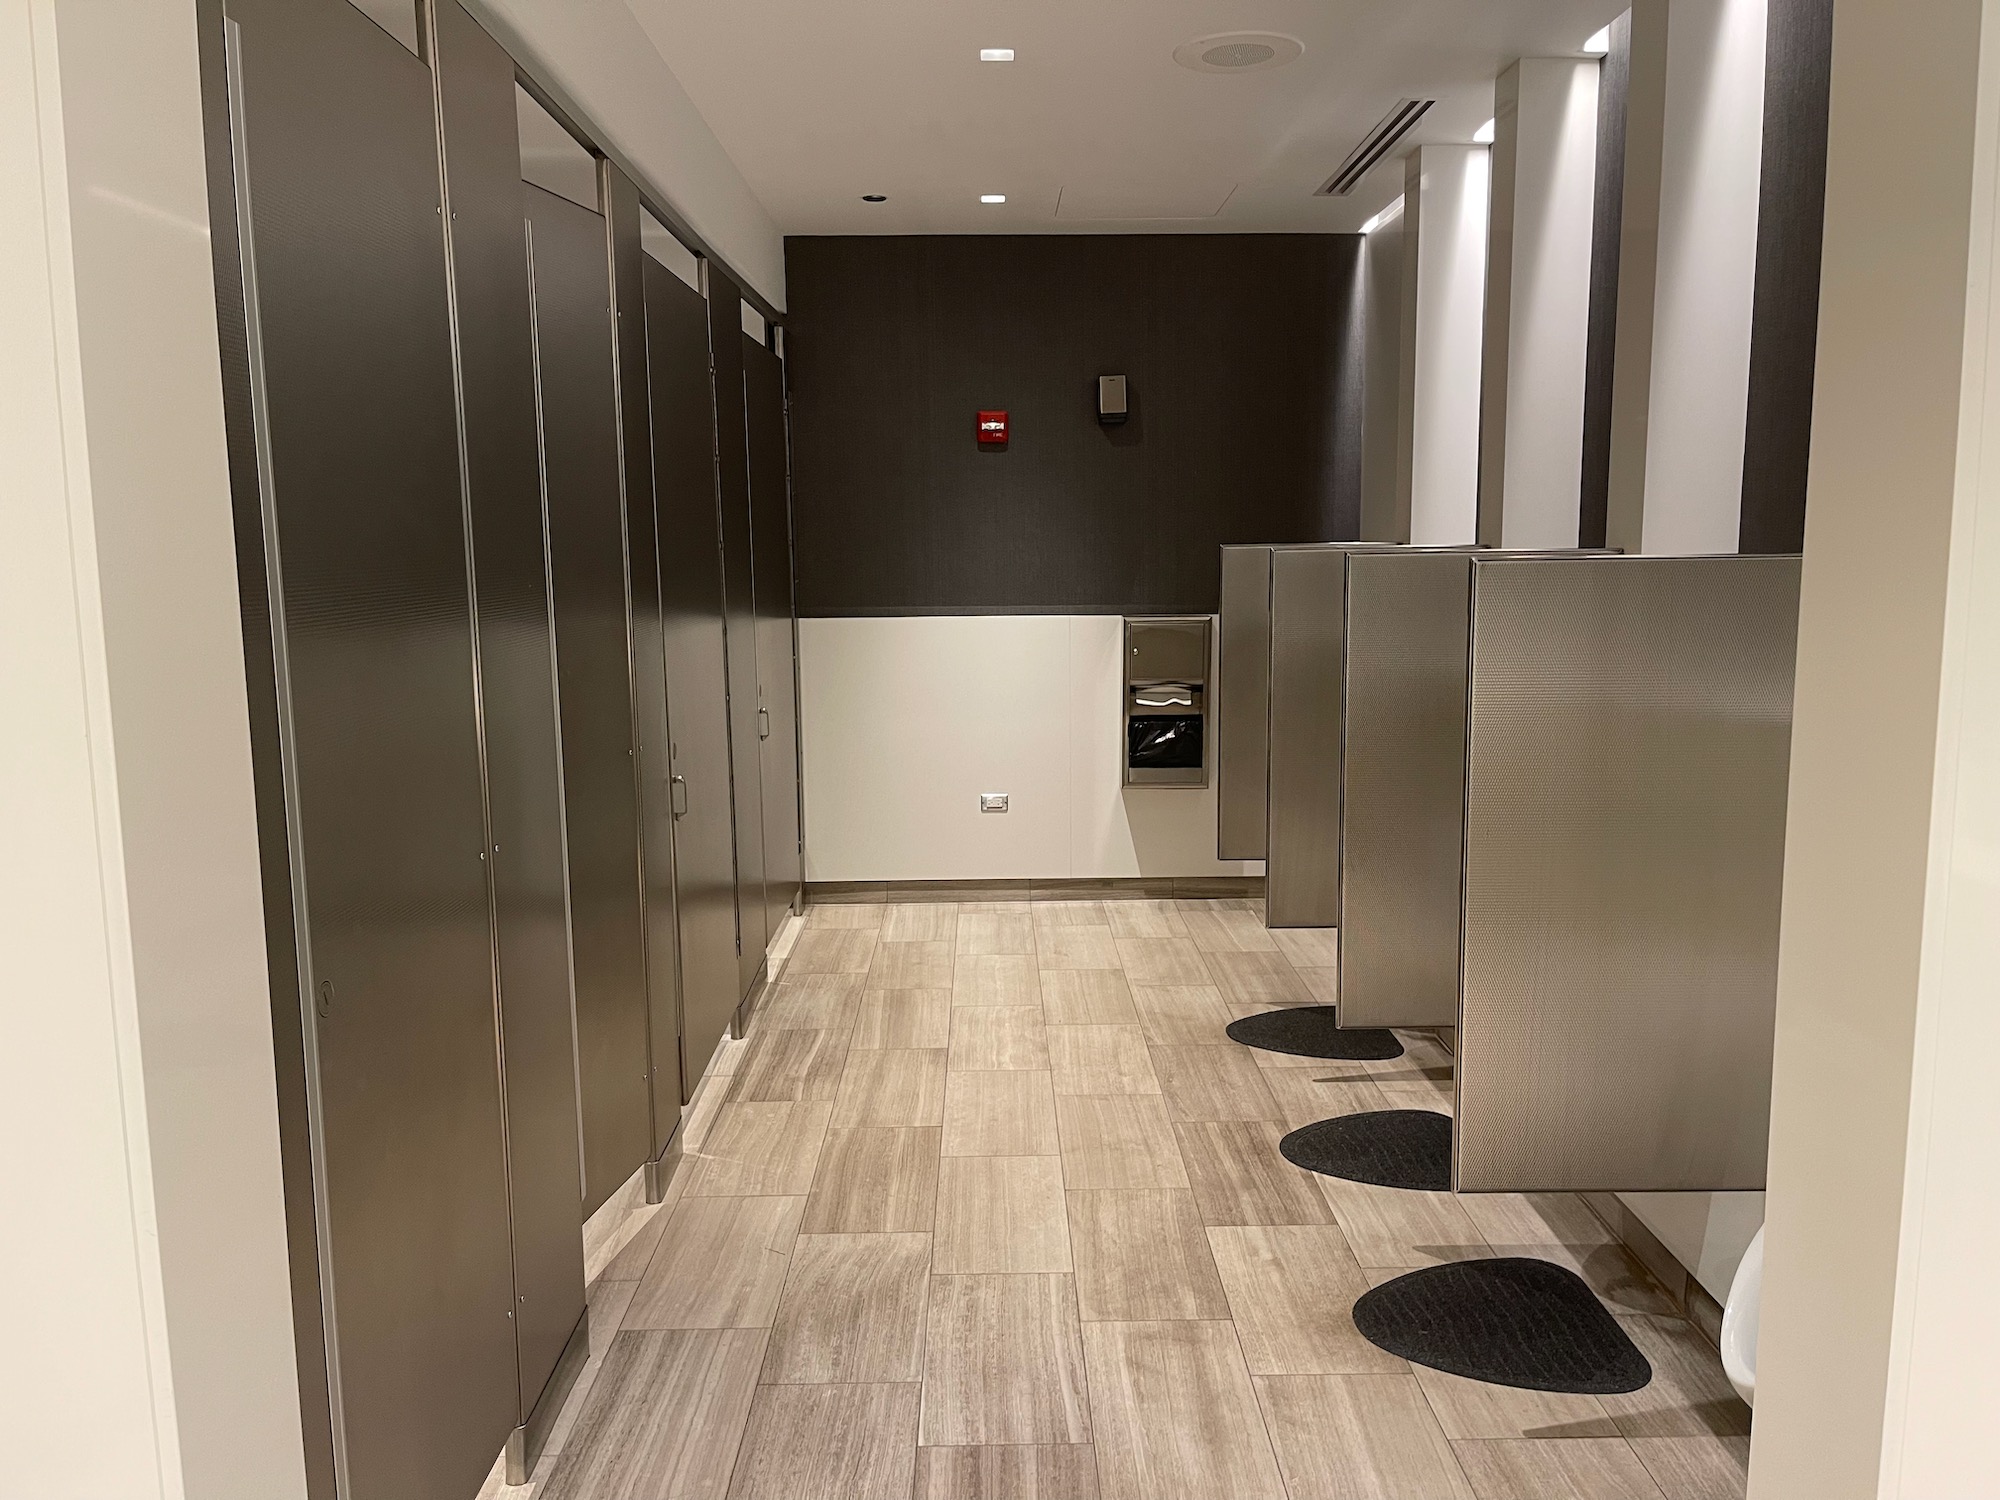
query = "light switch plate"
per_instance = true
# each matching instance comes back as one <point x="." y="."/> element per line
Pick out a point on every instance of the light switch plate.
<point x="992" y="801"/>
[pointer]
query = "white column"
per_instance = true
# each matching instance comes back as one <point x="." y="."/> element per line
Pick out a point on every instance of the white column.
<point x="1444" y="293"/>
<point x="1537" y="302"/>
<point x="1881" y="1310"/>
<point x="1384" y="514"/>
<point x="143" y="1268"/>
<point x="1687" y="272"/>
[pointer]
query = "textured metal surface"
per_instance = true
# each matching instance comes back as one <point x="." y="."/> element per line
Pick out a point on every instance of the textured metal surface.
<point x="350" y="360"/>
<point x="1165" y="700"/>
<point x="683" y="439"/>
<point x="516" y="657"/>
<point x="732" y="487"/>
<point x="1403" y="786"/>
<point x="649" y="662"/>
<point x="1242" y="704"/>
<point x="578" y="409"/>
<point x="777" y="652"/>
<point x="1626" y="778"/>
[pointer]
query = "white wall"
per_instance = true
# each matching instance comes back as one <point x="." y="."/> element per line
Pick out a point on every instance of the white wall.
<point x="1444" y="293"/>
<point x="145" y="1306"/>
<point x="1538" y="302"/>
<point x="1687" y="274"/>
<point x="906" y="721"/>
<point x="598" y="54"/>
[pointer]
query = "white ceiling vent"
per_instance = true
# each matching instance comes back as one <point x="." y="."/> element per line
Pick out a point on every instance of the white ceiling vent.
<point x="1239" y="52"/>
<point x="1375" y="145"/>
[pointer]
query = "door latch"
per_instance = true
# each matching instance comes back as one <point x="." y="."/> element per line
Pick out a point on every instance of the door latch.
<point x="763" y="723"/>
<point x="679" y="788"/>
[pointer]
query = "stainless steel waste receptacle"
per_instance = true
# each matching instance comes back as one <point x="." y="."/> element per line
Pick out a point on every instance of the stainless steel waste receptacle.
<point x="1166" y="700"/>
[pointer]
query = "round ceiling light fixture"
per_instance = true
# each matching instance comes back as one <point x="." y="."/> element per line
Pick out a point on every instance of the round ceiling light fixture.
<point x="1239" y="52"/>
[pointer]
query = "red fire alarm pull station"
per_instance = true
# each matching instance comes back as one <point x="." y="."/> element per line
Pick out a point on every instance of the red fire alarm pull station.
<point x="992" y="428"/>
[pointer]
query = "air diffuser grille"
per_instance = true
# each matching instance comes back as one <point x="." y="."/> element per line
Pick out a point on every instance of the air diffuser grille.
<point x="1375" y="145"/>
<point x="1238" y="52"/>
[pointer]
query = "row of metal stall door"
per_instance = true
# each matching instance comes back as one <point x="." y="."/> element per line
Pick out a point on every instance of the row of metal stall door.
<point x="514" y="550"/>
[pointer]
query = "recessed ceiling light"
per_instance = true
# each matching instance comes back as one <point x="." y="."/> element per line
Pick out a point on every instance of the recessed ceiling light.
<point x="996" y="54"/>
<point x="992" y="197"/>
<point x="874" y="197"/>
<point x="1388" y="215"/>
<point x="1239" y="52"/>
<point x="1483" y="136"/>
<point x="1599" y="45"/>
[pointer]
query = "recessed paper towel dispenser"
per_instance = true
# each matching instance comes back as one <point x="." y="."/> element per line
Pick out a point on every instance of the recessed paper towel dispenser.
<point x="1166" y="700"/>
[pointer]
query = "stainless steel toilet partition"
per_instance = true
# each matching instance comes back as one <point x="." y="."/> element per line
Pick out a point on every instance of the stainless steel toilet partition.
<point x="1243" y="704"/>
<point x="1626" y="766"/>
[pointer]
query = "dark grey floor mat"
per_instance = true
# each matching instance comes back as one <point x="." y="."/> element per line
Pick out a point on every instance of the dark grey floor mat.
<point x="1398" y="1148"/>
<point x="1510" y="1321"/>
<point x="1309" y="1031"/>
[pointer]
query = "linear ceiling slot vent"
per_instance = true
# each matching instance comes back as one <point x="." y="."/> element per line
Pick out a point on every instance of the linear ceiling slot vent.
<point x="1377" y="144"/>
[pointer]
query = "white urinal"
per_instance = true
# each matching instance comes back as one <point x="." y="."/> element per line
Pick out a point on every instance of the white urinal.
<point x="1739" y="1322"/>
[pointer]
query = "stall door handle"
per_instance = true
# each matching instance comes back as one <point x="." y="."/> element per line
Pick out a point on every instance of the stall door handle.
<point x="763" y="723"/>
<point x="679" y="789"/>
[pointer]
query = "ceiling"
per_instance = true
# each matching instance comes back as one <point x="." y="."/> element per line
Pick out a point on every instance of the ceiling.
<point x="1093" y="127"/>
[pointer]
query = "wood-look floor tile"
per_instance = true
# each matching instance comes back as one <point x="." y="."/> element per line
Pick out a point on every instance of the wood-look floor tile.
<point x="987" y="1038"/>
<point x="759" y="1151"/>
<point x="1264" y="979"/>
<point x="1388" y="1227"/>
<point x="1141" y="1254"/>
<point x="866" y="914"/>
<point x="1076" y="948"/>
<point x="1559" y="1227"/>
<point x="1322" y="984"/>
<point x="1696" y="1468"/>
<point x="1068" y="914"/>
<point x="903" y="1018"/>
<point x="1182" y="1015"/>
<point x="831" y="950"/>
<point x="812" y="1002"/>
<point x="875" y="1180"/>
<point x="1161" y="960"/>
<point x="1101" y="1060"/>
<point x="1292" y="1290"/>
<point x="729" y="1053"/>
<point x="996" y="932"/>
<point x="1087" y="997"/>
<point x="1424" y="1060"/>
<point x="853" y="1310"/>
<point x="1587" y="1469"/>
<point x="1309" y="947"/>
<point x="1308" y="1095"/>
<point x="996" y="979"/>
<point x="1003" y="1362"/>
<point x="1144" y="919"/>
<point x="629" y="1261"/>
<point x="1014" y="1471"/>
<point x="1175" y="1415"/>
<point x="1476" y="1409"/>
<point x="664" y="1416"/>
<point x="1689" y="1395"/>
<point x="911" y="966"/>
<point x="721" y="1264"/>
<point x="1213" y="1083"/>
<point x="1239" y="1176"/>
<point x="891" y="1086"/>
<point x="857" y="1442"/>
<point x="1358" y="1437"/>
<point x="1005" y="1113"/>
<point x="1118" y="1141"/>
<point x="1000" y="1213"/>
<point x="919" y="922"/>
<point x="605" y="1308"/>
<point x="1217" y="928"/>
<point x="782" y="1066"/>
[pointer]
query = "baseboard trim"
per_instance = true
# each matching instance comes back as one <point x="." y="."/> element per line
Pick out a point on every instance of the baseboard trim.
<point x="1137" y="888"/>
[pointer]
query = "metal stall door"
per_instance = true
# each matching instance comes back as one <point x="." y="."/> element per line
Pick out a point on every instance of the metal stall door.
<point x="649" y="662"/>
<point x="1302" y="850"/>
<point x="1402" y="768"/>
<point x="697" y="662"/>
<point x="1625" y="836"/>
<point x="335" y="167"/>
<point x="777" y="656"/>
<point x="732" y="488"/>
<point x="1243" y="705"/>
<point x="577" y="397"/>
<point x="516" y="653"/>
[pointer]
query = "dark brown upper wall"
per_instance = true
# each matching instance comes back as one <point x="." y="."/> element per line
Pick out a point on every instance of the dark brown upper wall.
<point x="1243" y="359"/>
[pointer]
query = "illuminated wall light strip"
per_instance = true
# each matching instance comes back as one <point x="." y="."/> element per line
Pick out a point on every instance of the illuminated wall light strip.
<point x="992" y="197"/>
<point x="996" y="54"/>
<point x="1388" y="215"/>
<point x="1599" y="45"/>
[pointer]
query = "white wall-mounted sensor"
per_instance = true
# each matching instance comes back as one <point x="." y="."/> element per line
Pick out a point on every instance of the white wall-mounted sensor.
<point x="992" y="802"/>
<point x="1111" y="403"/>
